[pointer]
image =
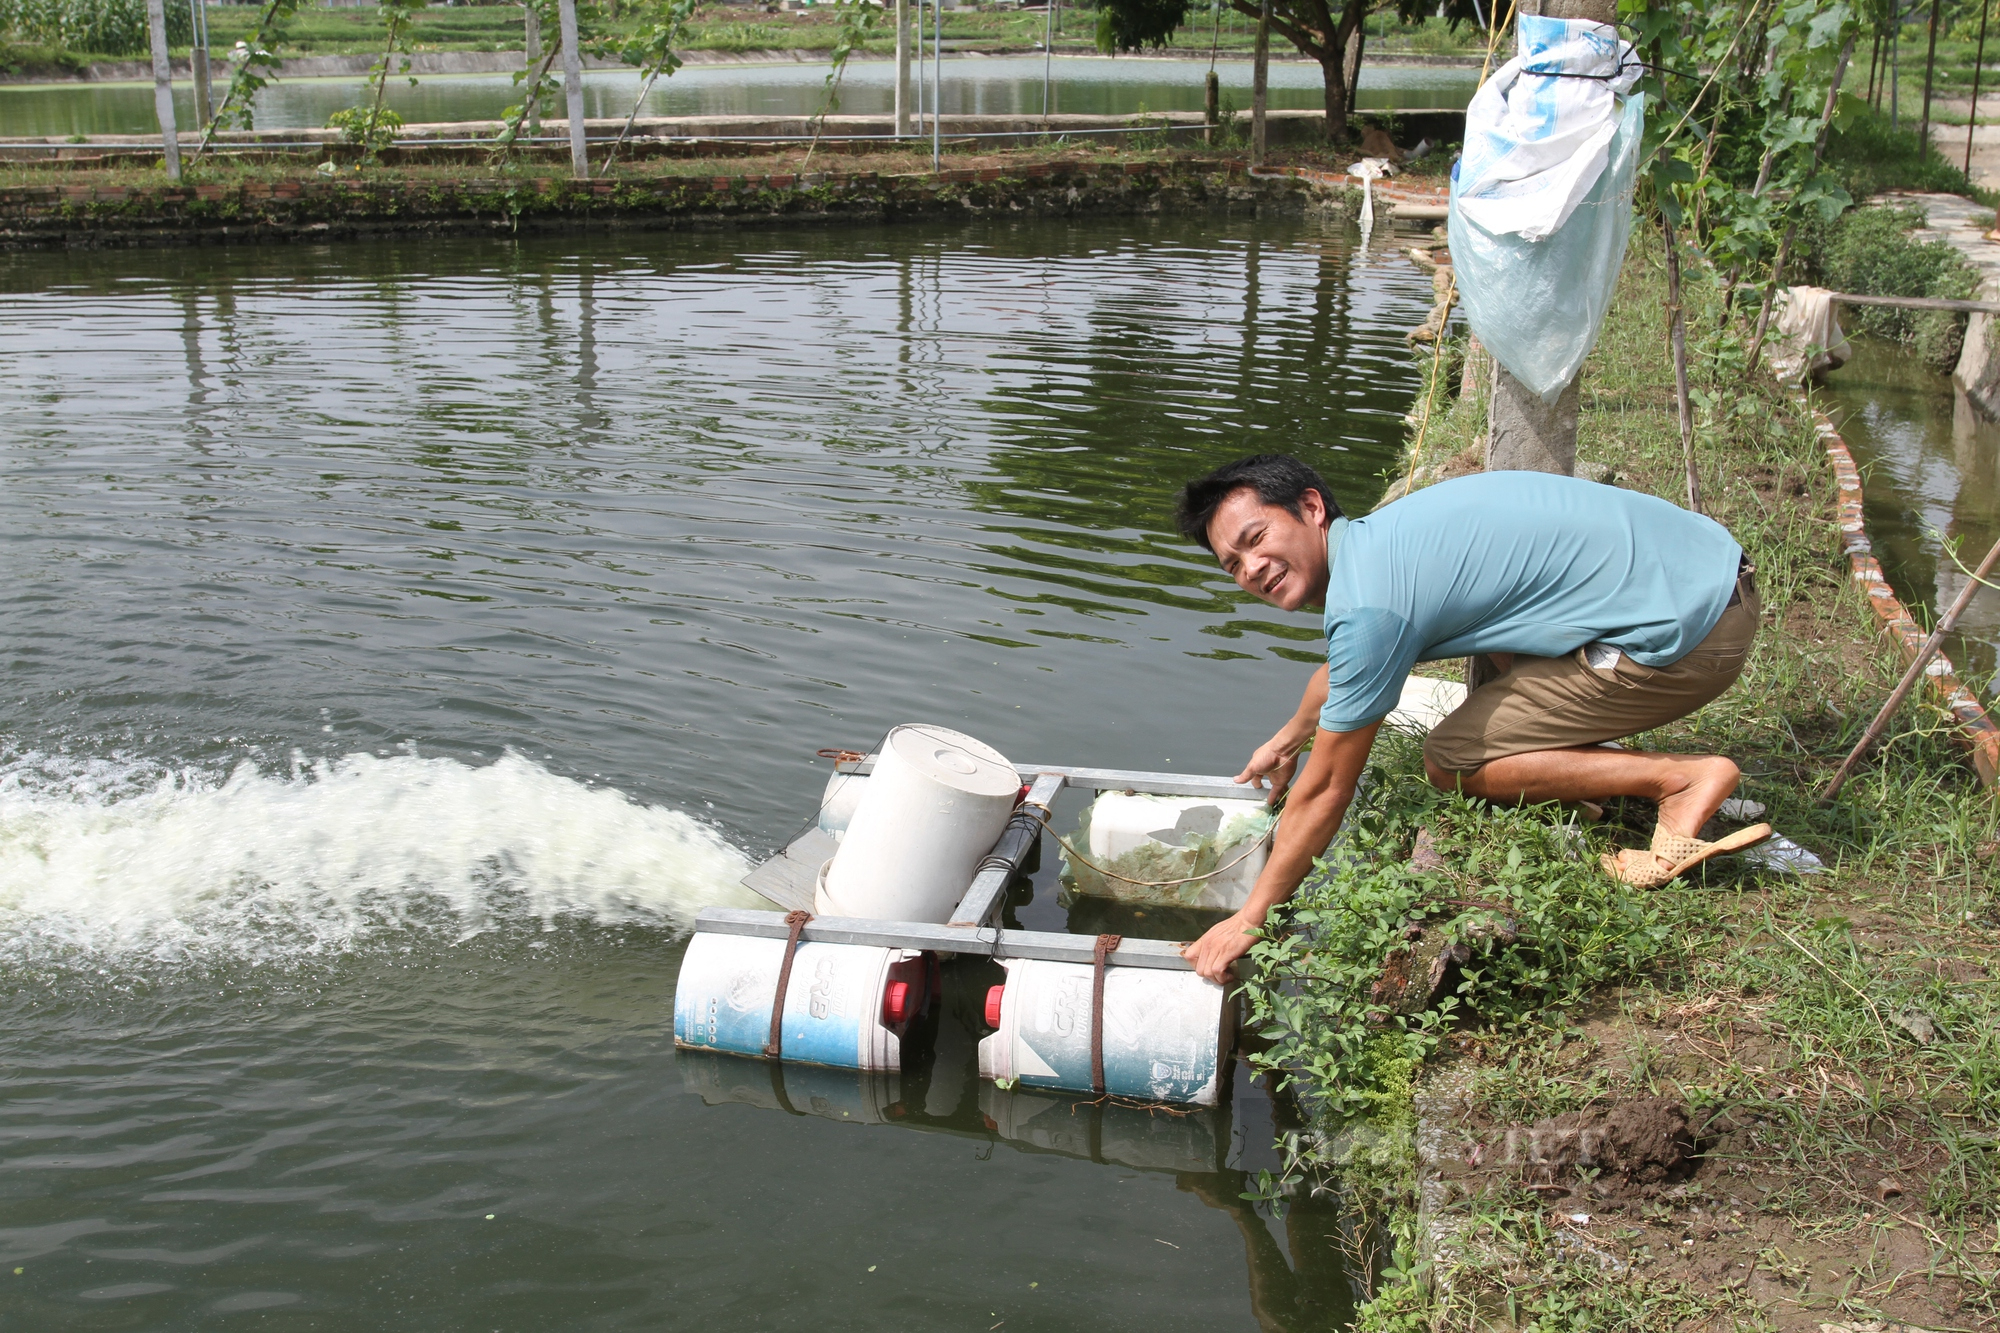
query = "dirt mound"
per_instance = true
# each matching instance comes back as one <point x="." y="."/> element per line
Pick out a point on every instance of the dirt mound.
<point x="1643" y="1142"/>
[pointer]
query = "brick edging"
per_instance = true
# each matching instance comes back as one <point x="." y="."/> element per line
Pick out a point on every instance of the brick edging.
<point x="1975" y="727"/>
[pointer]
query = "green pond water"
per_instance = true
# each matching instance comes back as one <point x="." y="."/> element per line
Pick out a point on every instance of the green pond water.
<point x="1930" y="475"/>
<point x="986" y="85"/>
<point x="406" y="639"/>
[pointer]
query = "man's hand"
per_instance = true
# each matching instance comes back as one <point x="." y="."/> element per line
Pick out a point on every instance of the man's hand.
<point x="1226" y="941"/>
<point x="1275" y="760"/>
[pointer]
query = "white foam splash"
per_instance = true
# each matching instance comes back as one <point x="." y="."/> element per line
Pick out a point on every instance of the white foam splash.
<point x="263" y="866"/>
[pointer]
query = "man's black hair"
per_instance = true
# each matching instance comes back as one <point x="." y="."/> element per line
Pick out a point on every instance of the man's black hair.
<point x="1278" y="479"/>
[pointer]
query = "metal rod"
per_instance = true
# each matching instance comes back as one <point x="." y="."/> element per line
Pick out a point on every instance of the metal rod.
<point x="1910" y="677"/>
<point x="1260" y="73"/>
<point x="988" y="891"/>
<point x="937" y="88"/>
<point x="982" y="941"/>
<point x="902" y="68"/>
<point x="1048" y="59"/>
<point x="1978" y="62"/>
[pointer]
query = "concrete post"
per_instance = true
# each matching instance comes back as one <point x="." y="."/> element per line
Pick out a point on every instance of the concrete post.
<point x="579" y="160"/>
<point x="204" y="100"/>
<point x="1260" y="77"/>
<point x="1526" y="435"/>
<point x="534" y="55"/>
<point x="902" y="68"/>
<point x="163" y="86"/>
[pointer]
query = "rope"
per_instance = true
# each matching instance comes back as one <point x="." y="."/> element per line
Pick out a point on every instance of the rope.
<point x="796" y="921"/>
<point x="1106" y="946"/>
<point x="1043" y="819"/>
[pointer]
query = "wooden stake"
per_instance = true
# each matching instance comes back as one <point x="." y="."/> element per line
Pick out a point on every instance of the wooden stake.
<point x="1910" y="677"/>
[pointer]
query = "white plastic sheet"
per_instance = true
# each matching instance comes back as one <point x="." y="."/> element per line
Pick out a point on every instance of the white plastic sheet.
<point x="1541" y="201"/>
<point x="1809" y="335"/>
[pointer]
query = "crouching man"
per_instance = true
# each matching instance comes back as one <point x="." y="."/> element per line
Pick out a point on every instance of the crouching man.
<point x="1606" y="612"/>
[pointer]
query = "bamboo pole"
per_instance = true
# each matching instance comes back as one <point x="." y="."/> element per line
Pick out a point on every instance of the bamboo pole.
<point x="1048" y="59"/>
<point x="1930" y="68"/>
<point x="1911" y="676"/>
<point x="1978" y="64"/>
<point x="1785" y="245"/>
<point x="579" y="159"/>
<point x="163" y="86"/>
<point x="1677" y="342"/>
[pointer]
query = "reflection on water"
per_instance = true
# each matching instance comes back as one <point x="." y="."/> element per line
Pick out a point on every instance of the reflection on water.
<point x="1930" y="474"/>
<point x="988" y="86"/>
<point x="405" y="638"/>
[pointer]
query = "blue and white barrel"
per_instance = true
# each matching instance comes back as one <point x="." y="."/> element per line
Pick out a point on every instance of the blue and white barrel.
<point x="1167" y="1034"/>
<point x="846" y="1005"/>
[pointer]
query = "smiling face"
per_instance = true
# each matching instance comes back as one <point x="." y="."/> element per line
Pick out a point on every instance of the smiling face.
<point x="1272" y="555"/>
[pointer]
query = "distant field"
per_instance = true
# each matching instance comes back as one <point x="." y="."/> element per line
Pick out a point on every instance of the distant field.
<point x="751" y="28"/>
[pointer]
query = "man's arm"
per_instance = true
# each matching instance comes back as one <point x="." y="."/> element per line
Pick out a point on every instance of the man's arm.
<point x="1318" y="803"/>
<point x="1276" y="758"/>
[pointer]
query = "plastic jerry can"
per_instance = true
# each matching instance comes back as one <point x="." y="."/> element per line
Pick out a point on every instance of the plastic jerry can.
<point x="1167" y="1034"/>
<point x="846" y="1005"/>
<point x="1216" y="846"/>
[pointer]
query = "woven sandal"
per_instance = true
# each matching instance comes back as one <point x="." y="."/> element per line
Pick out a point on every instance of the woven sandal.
<point x="1636" y="866"/>
<point x="1684" y="854"/>
<point x="1673" y="855"/>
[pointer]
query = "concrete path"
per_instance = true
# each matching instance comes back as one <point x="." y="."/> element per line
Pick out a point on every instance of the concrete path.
<point x="1950" y="140"/>
<point x="1967" y="228"/>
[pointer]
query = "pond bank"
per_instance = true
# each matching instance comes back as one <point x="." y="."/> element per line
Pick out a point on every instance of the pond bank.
<point x="306" y="207"/>
<point x="244" y="203"/>
<point x="1811" y="1047"/>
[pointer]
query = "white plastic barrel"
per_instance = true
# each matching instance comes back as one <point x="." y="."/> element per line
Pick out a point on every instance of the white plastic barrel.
<point x="850" y="1096"/>
<point x="1167" y="1034"/>
<point x="837" y="802"/>
<point x="1128" y="1135"/>
<point x="1159" y="838"/>
<point x="842" y="1003"/>
<point x="933" y="808"/>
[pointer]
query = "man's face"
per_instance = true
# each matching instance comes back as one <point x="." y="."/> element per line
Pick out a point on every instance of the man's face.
<point x="1272" y="555"/>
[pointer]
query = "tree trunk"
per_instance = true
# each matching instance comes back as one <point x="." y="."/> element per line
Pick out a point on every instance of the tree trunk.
<point x="1335" y="77"/>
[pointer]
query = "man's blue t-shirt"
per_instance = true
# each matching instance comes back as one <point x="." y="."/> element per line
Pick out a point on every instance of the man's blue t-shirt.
<point x="1513" y="562"/>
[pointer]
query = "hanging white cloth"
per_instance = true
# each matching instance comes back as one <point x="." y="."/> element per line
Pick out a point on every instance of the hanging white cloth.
<point x="1809" y="335"/>
<point x="1369" y="170"/>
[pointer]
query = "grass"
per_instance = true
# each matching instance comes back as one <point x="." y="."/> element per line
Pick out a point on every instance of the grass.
<point x="1851" y="1167"/>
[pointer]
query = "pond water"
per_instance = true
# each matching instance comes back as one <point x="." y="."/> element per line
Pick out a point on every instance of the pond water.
<point x="407" y="638"/>
<point x="996" y="85"/>
<point x="1930" y="474"/>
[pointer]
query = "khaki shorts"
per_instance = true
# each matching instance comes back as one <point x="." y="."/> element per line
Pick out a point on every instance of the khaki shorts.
<point x="1552" y="703"/>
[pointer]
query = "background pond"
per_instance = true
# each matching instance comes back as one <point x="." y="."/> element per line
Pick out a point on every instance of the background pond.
<point x="405" y="639"/>
<point x="985" y="85"/>
<point x="1930" y="474"/>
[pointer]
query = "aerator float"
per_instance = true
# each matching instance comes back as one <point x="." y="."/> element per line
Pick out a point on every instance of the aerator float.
<point x="909" y="863"/>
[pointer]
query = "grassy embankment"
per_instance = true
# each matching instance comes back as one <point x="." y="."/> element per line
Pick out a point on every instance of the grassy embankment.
<point x="1834" y="1039"/>
<point x="734" y="29"/>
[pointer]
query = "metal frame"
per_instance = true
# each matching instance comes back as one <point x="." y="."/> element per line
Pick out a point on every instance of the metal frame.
<point x="971" y="929"/>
